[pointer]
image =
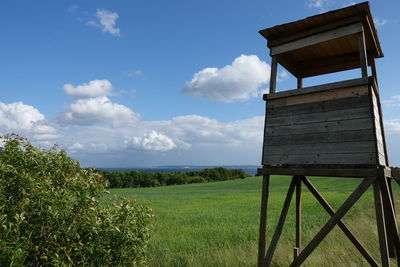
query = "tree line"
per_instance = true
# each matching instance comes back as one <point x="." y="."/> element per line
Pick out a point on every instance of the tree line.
<point x="134" y="179"/>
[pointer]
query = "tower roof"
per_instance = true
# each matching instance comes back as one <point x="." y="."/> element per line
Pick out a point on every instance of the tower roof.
<point x="324" y="43"/>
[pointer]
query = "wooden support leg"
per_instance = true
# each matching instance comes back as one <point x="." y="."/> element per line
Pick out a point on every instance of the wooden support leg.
<point x="298" y="216"/>
<point x="389" y="183"/>
<point x="263" y="219"/>
<point x="281" y="222"/>
<point x="390" y="219"/>
<point x="381" y="225"/>
<point x="342" y="226"/>
<point x="333" y="221"/>
<point x="388" y="209"/>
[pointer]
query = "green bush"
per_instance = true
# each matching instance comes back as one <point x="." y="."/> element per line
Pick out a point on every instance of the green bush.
<point x="52" y="212"/>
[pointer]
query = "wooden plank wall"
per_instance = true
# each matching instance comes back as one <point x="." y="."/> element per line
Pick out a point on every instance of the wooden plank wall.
<point x="328" y="127"/>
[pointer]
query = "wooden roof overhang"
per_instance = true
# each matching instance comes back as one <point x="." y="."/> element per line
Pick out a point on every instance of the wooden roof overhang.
<point x="324" y="43"/>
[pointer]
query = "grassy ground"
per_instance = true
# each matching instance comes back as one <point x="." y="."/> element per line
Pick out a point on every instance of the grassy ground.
<point x="216" y="224"/>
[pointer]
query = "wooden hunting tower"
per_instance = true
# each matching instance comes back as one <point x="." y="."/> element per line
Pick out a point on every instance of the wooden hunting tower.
<point x="331" y="130"/>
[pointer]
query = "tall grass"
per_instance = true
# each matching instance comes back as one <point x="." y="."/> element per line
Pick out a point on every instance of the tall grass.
<point x="216" y="224"/>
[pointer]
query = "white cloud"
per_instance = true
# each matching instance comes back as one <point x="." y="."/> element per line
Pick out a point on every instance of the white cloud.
<point x="45" y="132"/>
<point x="199" y="130"/>
<point x="349" y="3"/>
<point x="394" y="101"/>
<point x="380" y="22"/>
<point x="151" y="141"/>
<point x="135" y="73"/>
<point x="18" y="116"/>
<point x="75" y="147"/>
<point x="91" y="89"/>
<point x="106" y="20"/>
<point x="238" y="81"/>
<point x="319" y="4"/>
<point x="73" y="8"/>
<point x="92" y="106"/>
<point x="282" y="76"/>
<point x="87" y="111"/>
<point x="25" y="120"/>
<point x="392" y="126"/>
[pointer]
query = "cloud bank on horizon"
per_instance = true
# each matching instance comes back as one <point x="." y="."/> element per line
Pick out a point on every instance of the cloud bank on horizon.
<point x="94" y="125"/>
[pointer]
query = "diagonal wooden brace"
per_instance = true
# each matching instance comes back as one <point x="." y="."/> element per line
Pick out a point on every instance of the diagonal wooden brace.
<point x="333" y="221"/>
<point x="340" y="223"/>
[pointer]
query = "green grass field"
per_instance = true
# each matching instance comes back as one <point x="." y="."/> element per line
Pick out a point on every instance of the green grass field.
<point x="216" y="224"/>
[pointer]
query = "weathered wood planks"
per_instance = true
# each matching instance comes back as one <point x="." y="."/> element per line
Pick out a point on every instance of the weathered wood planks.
<point x="322" y="148"/>
<point x="320" y="106"/>
<point x="318" y="127"/>
<point x="326" y="95"/>
<point x="321" y="158"/>
<point x="331" y="170"/>
<point x="330" y="126"/>
<point x="320" y="138"/>
<point x="335" y="115"/>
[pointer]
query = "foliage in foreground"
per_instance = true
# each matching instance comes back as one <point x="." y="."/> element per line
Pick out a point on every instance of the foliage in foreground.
<point x="133" y="179"/>
<point x="51" y="213"/>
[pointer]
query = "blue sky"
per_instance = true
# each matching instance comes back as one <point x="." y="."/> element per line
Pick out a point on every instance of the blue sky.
<point x="145" y="83"/>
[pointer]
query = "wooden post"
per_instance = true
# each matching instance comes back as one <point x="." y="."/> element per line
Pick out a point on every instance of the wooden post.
<point x="295" y="252"/>
<point x="298" y="214"/>
<point x="281" y="222"/>
<point x="363" y="54"/>
<point x="373" y="69"/>
<point x="387" y="210"/>
<point x="381" y="225"/>
<point x="299" y="83"/>
<point x="263" y="219"/>
<point x="272" y="80"/>
<point x="392" y="230"/>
